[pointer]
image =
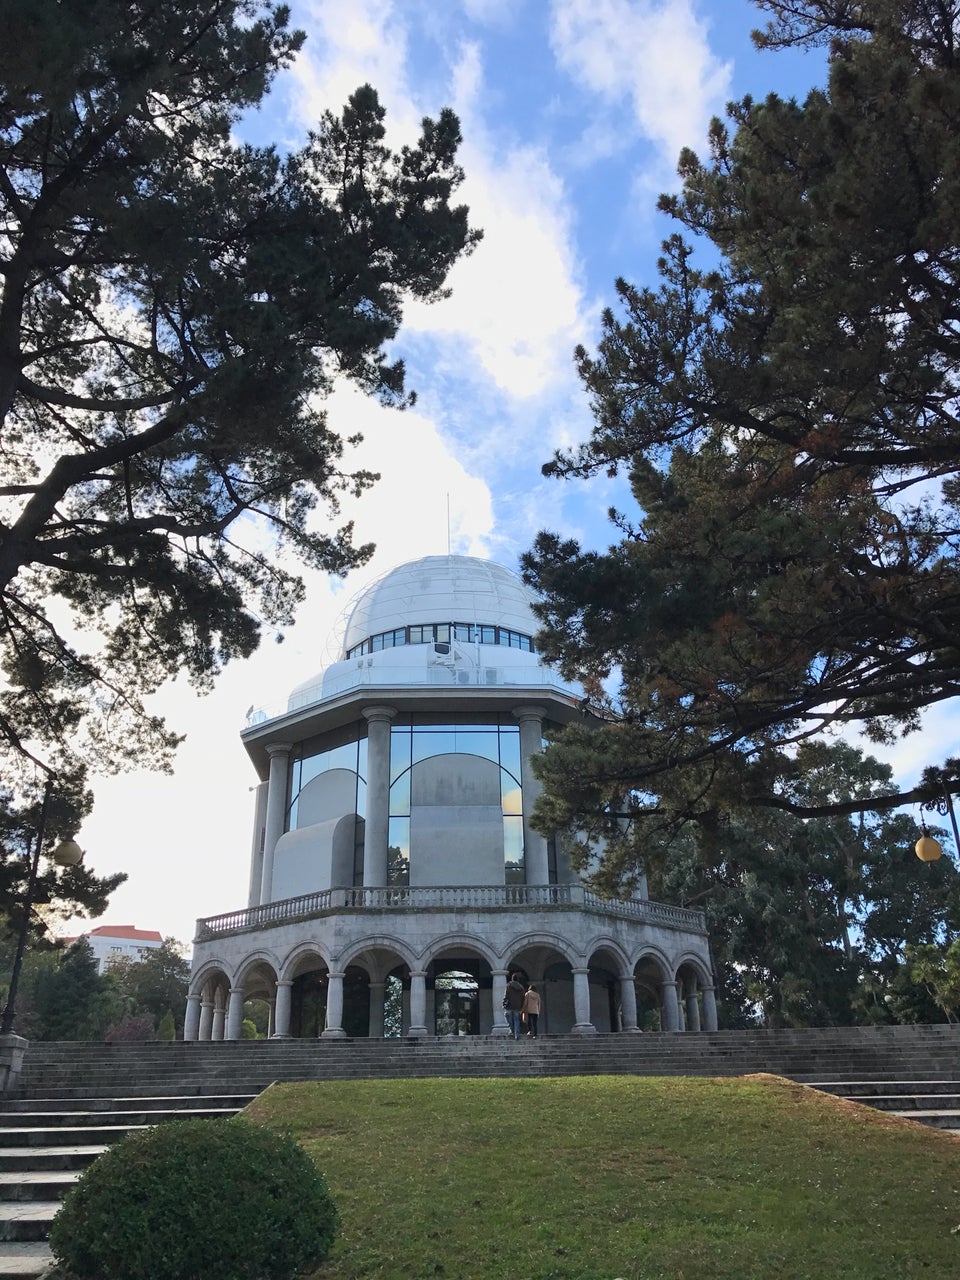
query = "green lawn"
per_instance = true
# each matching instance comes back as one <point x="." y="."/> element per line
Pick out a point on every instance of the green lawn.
<point x="593" y="1178"/>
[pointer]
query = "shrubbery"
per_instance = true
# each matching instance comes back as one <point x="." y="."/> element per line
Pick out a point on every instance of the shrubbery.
<point x="197" y="1200"/>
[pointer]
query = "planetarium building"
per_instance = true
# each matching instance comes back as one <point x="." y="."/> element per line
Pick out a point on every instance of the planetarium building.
<point x="395" y="876"/>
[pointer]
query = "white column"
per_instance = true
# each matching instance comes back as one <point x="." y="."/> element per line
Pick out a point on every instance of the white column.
<point x="418" y="1003"/>
<point x="377" y="824"/>
<point x="500" y="1027"/>
<point x="206" y="1020"/>
<point x="234" y="1014"/>
<point x="536" y="864"/>
<point x="628" y="1004"/>
<point x="671" y="1007"/>
<point x="692" y="1005"/>
<point x="281" y="1013"/>
<point x="256" y="846"/>
<point x="191" y="1019"/>
<point x="581" y="1003"/>
<point x="709" y="1009"/>
<point x="219" y="1018"/>
<point x="334" y="1028"/>
<point x="375" y="1029"/>
<point x="279" y="753"/>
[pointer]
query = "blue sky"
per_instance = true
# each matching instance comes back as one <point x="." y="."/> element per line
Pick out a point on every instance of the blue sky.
<point x="573" y="113"/>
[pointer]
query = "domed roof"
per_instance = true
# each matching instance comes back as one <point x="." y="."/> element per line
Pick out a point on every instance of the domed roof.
<point x="442" y="589"/>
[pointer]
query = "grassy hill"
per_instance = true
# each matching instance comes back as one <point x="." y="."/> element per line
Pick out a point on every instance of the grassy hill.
<point x="595" y="1178"/>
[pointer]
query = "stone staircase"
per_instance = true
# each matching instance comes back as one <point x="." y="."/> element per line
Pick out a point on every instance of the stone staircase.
<point x="45" y="1143"/>
<point x="73" y="1099"/>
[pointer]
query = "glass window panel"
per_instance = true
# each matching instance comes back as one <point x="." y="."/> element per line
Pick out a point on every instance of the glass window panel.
<point x="376" y="643"/>
<point x="361" y="798"/>
<point x="513" y="850"/>
<point x="443" y="630"/>
<point x="400" y="794"/>
<point x="462" y="631"/>
<point x="488" y="635"/>
<point x="362" y="759"/>
<point x="400" y="636"/>
<point x="511" y="798"/>
<point x="510" y="750"/>
<point x="398" y="852"/>
<point x="400" y="745"/>
<point x="476" y="744"/>
<point x="428" y="742"/>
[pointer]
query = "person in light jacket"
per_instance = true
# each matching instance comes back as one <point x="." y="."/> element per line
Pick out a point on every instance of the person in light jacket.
<point x="531" y="1010"/>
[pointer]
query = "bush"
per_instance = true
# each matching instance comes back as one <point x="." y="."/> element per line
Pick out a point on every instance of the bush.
<point x="129" y="1030"/>
<point x="197" y="1200"/>
<point x="167" y="1029"/>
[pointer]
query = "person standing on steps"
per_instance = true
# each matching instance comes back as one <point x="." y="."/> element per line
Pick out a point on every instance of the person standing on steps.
<point x="531" y="1011"/>
<point x="513" y="998"/>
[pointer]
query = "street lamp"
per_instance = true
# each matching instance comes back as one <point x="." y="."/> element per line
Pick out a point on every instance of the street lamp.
<point x="927" y="849"/>
<point x="67" y="854"/>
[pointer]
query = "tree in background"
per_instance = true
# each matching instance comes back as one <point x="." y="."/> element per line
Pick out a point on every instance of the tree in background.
<point x="154" y="985"/>
<point x="811" y="922"/>
<point x="786" y="417"/>
<point x="71" y="1000"/>
<point x="174" y="308"/>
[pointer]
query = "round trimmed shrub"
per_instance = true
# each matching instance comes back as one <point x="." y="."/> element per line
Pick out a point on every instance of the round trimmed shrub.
<point x="197" y="1200"/>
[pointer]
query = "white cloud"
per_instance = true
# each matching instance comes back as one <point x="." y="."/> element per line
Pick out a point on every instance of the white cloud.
<point x="652" y="54"/>
<point x="516" y="302"/>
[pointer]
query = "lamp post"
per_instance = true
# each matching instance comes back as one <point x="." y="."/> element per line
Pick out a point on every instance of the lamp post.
<point x="67" y="854"/>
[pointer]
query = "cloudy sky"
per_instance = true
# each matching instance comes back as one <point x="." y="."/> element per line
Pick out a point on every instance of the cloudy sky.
<point x="573" y="113"/>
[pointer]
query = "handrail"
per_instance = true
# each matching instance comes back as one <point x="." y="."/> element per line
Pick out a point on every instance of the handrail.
<point x="425" y="898"/>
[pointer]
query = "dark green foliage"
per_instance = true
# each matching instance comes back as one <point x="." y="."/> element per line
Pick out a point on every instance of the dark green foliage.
<point x="174" y="308"/>
<point x="787" y="420"/>
<point x="197" y="1200"/>
<point x="810" y="922"/>
<point x="167" y="1029"/>
<point x="71" y="1000"/>
<point x="154" y="985"/>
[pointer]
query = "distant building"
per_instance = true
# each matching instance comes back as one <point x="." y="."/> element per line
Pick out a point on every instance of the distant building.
<point x="396" y="877"/>
<point x="111" y="942"/>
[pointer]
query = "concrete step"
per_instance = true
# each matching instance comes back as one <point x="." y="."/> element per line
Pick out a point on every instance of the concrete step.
<point x="24" y="1260"/>
<point x="37" y="1184"/>
<point x="66" y="1135"/>
<point x="27" y="1220"/>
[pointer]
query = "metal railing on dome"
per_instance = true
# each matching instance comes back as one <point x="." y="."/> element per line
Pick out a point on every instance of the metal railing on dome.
<point x="425" y="898"/>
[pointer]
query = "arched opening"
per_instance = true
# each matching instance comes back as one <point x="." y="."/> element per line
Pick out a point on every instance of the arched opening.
<point x="648" y="982"/>
<point x="308" y="1003"/>
<point x="459" y="991"/>
<point x="603" y="978"/>
<point x="356" y="1001"/>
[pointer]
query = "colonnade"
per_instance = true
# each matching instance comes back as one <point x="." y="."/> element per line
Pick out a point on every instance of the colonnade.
<point x="216" y="1012"/>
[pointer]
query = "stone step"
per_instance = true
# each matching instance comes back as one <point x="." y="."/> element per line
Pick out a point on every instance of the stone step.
<point x="48" y="1120"/>
<point x="37" y="1184"/>
<point x="27" y="1220"/>
<point x="161" y="1102"/>
<point x="66" y="1135"/>
<point x="24" y="1260"/>
<point x="42" y="1159"/>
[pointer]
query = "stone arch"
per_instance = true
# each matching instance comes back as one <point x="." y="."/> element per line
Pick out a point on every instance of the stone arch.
<point x="458" y="976"/>
<point x="655" y="993"/>
<point x="302" y="953"/>
<point x="387" y="962"/>
<point x="696" y="999"/>
<point x="548" y="961"/>
<point x="607" y="966"/>
<point x="207" y="1000"/>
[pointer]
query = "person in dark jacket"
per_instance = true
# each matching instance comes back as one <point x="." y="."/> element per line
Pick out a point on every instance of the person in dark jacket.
<point x="514" y="997"/>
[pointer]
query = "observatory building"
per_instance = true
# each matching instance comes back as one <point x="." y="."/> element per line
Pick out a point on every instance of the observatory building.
<point x="396" y="879"/>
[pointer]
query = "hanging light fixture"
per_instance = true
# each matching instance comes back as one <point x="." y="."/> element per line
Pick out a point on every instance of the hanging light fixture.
<point x="927" y="849"/>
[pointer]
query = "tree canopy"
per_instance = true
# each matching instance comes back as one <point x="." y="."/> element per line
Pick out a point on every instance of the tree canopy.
<point x="784" y="408"/>
<point x="174" y="307"/>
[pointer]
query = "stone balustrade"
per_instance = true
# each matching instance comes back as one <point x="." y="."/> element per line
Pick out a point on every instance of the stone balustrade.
<point x="421" y="898"/>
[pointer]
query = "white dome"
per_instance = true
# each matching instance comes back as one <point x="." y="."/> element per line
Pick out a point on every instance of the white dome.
<point x="442" y="589"/>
